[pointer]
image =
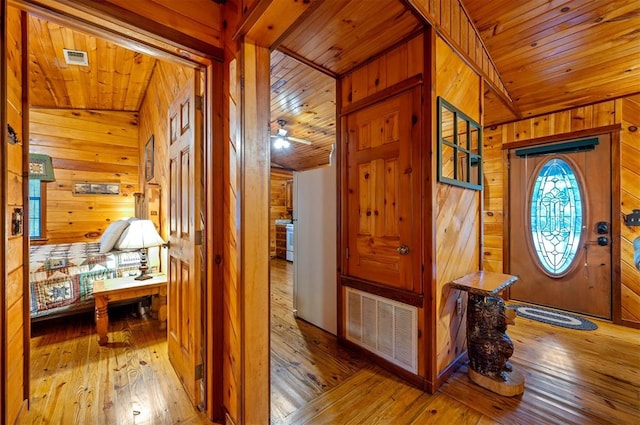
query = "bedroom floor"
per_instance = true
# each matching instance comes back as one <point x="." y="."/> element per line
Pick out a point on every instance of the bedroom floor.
<point x="130" y="381"/>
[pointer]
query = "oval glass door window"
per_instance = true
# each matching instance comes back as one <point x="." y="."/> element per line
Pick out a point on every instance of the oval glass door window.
<point x="556" y="216"/>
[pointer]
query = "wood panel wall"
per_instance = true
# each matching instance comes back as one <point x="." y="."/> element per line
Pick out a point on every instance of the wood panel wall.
<point x="231" y="367"/>
<point x="452" y="22"/>
<point x="630" y="200"/>
<point x="395" y="66"/>
<point x="278" y="208"/>
<point x="457" y="212"/>
<point x="86" y="146"/>
<point x="15" y="302"/>
<point x="555" y="125"/>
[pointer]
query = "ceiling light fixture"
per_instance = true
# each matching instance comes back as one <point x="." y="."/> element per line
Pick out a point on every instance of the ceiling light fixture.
<point x="280" y="143"/>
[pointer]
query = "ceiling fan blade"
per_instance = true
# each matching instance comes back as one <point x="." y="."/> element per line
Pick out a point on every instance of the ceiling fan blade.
<point x="298" y="140"/>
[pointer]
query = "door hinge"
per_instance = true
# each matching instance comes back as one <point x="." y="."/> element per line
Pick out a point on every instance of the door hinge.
<point x="199" y="103"/>
<point x="347" y="253"/>
<point x="198" y="237"/>
<point x="199" y="373"/>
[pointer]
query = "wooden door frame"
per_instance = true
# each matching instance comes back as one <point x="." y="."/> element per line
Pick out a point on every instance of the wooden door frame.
<point x="140" y="33"/>
<point x="614" y="132"/>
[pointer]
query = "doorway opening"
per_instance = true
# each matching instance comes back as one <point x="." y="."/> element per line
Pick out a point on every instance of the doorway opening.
<point x="170" y="72"/>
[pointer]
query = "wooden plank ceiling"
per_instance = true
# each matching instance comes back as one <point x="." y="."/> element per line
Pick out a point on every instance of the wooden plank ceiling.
<point x="550" y="55"/>
<point x="115" y="78"/>
<point x="555" y="55"/>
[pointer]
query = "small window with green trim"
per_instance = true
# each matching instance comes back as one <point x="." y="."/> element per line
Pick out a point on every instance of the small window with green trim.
<point x="37" y="191"/>
<point x="459" y="147"/>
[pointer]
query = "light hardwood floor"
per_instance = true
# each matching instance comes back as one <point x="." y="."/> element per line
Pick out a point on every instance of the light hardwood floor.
<point x="129" y="381"/>
<point x="572" y="377"/>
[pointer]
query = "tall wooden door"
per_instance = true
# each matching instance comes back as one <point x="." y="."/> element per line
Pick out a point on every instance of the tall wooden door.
<point x="560" y="237"/>
<point x="185" y="195"/>
<point x="383" y="193"/>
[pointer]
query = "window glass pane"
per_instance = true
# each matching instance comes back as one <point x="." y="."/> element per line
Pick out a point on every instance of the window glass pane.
<point x="447" y="161"/>
<point x="556" y="216"/>
<point x="35" y="209"/>
<point x="462" y="134"/>
<point x="475" y="175"/>
<point x="463" y="163"/>
<point x="474" y="138"/>
<point x="447" y="125"/>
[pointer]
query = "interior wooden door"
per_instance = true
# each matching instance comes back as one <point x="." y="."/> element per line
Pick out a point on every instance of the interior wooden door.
<point x="184" y="291"/>
<point x="383" y="194"/>
<point x="560" y="236"/>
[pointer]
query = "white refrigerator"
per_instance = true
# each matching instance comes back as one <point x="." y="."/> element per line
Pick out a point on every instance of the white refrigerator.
<point x="314" y="219"/>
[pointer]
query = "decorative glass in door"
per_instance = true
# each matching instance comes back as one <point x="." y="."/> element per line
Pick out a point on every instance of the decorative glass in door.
<point x="556" y="216"/>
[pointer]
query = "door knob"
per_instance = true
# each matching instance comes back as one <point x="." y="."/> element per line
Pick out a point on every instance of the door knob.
<point x="403" y="249"/>
<point x="603" y="241"/>
<point x="602" y="228"/>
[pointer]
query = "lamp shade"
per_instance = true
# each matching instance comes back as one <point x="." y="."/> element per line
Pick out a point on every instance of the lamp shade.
<point x="140" y="234"/>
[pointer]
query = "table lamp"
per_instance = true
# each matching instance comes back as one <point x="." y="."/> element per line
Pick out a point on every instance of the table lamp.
<point x="141" y="234"/>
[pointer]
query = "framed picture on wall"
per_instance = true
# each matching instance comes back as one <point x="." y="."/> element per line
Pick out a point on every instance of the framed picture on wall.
<point x="148" y="159"/>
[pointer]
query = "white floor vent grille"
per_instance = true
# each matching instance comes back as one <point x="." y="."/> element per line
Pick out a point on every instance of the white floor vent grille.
<point x="385" y="327"/>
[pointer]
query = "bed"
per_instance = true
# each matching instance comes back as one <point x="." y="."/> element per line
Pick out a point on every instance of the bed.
<point x="61" y="276"/>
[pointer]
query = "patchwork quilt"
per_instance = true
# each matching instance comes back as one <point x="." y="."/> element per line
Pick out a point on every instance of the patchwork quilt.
<point x="61" y="276"/>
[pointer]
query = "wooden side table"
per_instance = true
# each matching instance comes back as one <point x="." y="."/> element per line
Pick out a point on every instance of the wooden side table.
<point x="488" y="345"/>
<point x="127" y="288"/>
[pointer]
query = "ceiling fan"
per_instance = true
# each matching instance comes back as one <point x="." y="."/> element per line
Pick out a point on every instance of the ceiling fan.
<point x="281" y="138"/>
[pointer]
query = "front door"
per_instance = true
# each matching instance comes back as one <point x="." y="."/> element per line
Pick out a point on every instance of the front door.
<point x="560" y="238"/>
<point x="383" y="194"/>
<point x="185" y="230"/>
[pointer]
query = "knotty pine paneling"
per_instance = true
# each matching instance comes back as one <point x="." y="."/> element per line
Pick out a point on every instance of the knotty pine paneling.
<point x="232" y="374"/>
<point x="114" y="79"/>
<point x="278" y="208"/>
<point x="630" y="200"/>
<point x="15" y="329"/>
<point x="86" y="145"/>
<point x="200" y="19"/>
<point x="165" y="84"/>
<point x="626" y="112"/>
<point x="457" y="215"/>
<point x="451" y="20"/>
<point x="400" y="63"/>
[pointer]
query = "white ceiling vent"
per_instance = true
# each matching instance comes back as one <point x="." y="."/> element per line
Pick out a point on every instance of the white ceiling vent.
<point x="76" y="57"/>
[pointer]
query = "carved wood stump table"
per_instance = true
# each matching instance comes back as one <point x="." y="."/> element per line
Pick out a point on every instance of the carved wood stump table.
<point x="127" y="288"/>
<point x="488" y="345"/>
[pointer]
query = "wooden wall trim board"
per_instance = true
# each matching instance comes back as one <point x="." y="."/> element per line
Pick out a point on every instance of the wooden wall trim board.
<point x="564" y="136"/>
<point x="616" y="254"/>
<point x="26" y="299"/>
<point x="3" y="205"/>
<point x="214" y="161"/>
<point x="269" y="21"/>
<point x="254" y="245"/>
<point x="379" y="96"/>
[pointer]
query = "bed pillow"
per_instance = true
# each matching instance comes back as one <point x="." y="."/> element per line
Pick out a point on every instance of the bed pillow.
<point x="112" y="234"/>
